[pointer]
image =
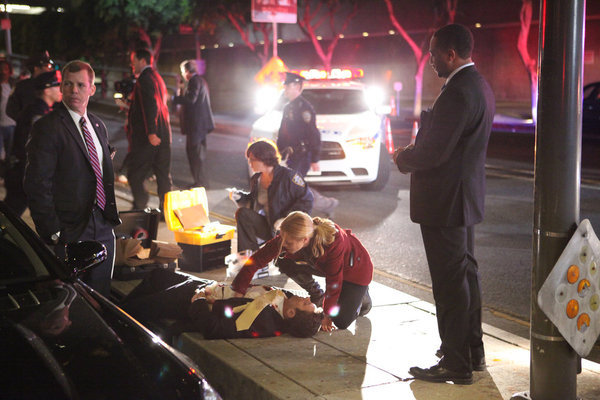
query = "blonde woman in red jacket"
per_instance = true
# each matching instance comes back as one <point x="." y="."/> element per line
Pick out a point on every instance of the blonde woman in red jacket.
<point x="316" y="246"/>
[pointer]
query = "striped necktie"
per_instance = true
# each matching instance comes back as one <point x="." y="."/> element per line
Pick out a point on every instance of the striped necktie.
<point x="100" y="196"/>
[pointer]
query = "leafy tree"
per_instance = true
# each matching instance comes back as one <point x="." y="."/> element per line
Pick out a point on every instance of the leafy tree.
<point x="316" y="13"/>
<point x="145" y="20"/>
<point x="207" y="14"/>
<point x="444" y="13"/>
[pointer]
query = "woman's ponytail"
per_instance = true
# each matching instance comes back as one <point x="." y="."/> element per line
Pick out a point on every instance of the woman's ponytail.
<point x="324" y="235"/>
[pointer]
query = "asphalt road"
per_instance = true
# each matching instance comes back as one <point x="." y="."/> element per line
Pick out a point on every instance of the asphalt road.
<point x="381" y="219"/>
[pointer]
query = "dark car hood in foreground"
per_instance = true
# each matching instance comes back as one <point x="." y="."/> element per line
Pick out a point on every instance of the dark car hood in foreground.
<point x="83" y="347"/>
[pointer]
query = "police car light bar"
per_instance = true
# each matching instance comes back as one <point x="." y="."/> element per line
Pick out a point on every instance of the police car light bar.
<point x="335" y="73"/>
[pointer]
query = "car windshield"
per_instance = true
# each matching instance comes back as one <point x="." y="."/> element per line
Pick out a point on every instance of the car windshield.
<point x="336" y="101"/>
<point x="19" y="262"/>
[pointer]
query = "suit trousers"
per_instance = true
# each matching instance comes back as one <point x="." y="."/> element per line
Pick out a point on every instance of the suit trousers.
<point x="457" y="293"/>
<point x="100" y="230"/>
<point x="196" y="153"/>
<point x="142" y="159"/>
<point x="250" y="226"/>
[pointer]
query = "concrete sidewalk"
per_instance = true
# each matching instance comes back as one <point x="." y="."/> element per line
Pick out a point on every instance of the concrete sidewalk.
<point x="370" y="360"/>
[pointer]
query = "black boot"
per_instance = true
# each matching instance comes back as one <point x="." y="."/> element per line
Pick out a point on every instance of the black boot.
<point x="366" y="304"/>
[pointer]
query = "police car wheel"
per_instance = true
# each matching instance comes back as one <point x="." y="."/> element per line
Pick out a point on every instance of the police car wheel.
<point x="383" y="172"/>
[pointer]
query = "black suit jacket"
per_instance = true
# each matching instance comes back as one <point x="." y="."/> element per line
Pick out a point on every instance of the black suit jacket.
<point x="148" y="112"/>
<point x="59" y="179"/>
<point x="447" y="186"/>
<point x="218" y="324"/>
<point x="197" y="118"/>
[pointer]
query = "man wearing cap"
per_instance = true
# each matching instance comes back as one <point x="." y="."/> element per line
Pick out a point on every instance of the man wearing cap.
<point x="24" y="93"/>
<point x="69" y="176"/>
<point x="299" y="139"/>
<point x="47" y="90"/>
<point x="298" y="133"/>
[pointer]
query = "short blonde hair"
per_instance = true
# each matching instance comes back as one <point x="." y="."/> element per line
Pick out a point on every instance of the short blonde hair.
<point x="300" y="225"/>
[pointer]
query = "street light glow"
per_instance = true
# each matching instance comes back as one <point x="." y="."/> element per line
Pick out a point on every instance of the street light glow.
<point x="21" y="9"/>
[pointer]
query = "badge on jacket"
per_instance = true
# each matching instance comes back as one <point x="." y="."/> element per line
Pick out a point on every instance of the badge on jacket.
<point x="297" y="180"/>
<point x="306" y="116"/>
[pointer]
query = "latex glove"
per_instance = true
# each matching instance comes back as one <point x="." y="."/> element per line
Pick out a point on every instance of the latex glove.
<point x="234" y="194"/>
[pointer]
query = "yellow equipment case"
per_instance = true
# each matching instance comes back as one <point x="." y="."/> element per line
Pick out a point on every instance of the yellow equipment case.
<point x="204" y="247"/>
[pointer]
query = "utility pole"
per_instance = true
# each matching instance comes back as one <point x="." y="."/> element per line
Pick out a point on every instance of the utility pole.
<point x="553" y="363"/>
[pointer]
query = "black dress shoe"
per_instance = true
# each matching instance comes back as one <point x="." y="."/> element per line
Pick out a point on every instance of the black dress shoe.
<point x="477" y="364"/>
<point x="437" y="373"/>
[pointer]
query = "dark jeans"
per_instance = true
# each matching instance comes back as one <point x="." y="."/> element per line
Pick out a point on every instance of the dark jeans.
<point x="251" y="225"/>
<point x="143" y="159"/>
<point x="351" y="296"/>
<point x="457" y="293"/>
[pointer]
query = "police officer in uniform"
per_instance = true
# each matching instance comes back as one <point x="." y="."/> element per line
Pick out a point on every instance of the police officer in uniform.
<point x="299" y="139"/>
<point x="47" y="90"/>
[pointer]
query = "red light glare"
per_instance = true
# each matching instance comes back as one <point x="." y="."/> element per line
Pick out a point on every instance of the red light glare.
<point x="334" y="73"/>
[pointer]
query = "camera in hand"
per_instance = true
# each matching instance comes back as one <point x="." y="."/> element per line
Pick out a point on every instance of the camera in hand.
<point x="124" y="87"/>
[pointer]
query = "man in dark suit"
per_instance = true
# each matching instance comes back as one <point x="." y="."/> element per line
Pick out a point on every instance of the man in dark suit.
<point x="447" y="194"/>
<point x="199" y="305"/>
<point x="196" y="120"/>
<point x="69" y="178"/>
<point x="150" y="131"/>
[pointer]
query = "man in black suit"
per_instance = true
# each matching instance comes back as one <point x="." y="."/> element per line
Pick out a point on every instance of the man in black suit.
<point x="150" y="131"/>
<point x="69" y="178"/>
<point x="199" y="305"/>
<point x="447" y="194"/>
<point x="196" y="120"/>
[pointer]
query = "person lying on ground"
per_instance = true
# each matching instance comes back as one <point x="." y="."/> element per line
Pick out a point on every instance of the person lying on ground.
<point x="164" y="294"/>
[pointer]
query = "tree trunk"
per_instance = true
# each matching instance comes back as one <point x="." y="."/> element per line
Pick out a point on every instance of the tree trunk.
<point x="529" y="62"/>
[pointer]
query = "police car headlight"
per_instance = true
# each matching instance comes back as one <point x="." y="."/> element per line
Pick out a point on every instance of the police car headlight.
<point x="362" y="142"/>
<point x="374" y="96"/>
<point x="265" y="99"/>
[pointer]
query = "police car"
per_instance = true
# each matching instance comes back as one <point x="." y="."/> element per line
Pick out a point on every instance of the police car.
<point x="355" y="133"/>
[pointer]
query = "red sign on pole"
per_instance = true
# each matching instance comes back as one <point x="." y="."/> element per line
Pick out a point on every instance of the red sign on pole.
<point x="5" y="24"/>
<point x="283" y="11"/>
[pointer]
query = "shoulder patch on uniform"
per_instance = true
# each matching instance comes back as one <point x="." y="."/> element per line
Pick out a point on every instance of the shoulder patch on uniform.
<point x="306" y="116"/>
<point x="298" y="181"/>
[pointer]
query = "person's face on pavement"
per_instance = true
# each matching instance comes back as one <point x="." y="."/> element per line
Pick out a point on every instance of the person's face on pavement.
<point x="77" y="88"/>
<point x="297" y="303"/>
<point x="293" y="245"/>
<point x="440" y="59"/>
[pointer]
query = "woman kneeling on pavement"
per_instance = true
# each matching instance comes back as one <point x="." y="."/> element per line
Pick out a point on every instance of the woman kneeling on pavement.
<point x="275" y="191"/>
<point x="317" y="246"/>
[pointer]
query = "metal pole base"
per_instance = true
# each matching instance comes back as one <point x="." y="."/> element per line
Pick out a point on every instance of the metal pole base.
<point x="525" y="396"/>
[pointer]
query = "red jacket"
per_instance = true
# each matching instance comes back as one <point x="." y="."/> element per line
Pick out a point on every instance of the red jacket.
<point x="334" y="263"/>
